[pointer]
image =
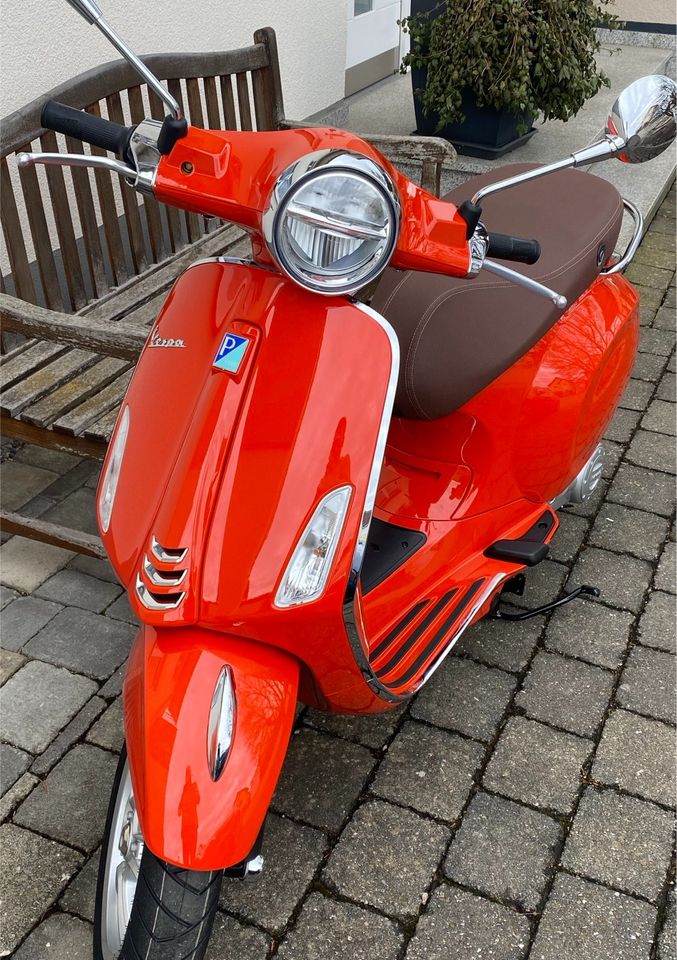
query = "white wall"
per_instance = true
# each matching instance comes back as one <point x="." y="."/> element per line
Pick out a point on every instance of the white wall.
<point x="44" y="42"/>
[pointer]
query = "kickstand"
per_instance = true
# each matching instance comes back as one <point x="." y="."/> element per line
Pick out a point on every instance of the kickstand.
<point x="583" y="591"/>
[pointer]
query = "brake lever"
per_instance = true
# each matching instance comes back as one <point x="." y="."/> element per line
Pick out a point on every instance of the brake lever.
<point x="533" y="285"/>
<point x="77" y="160"/>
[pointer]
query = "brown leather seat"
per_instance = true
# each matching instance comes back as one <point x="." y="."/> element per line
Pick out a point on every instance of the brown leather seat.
<point x="457" y="335"/>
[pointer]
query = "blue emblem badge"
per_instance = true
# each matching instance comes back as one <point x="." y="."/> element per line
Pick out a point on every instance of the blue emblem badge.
<point x="231" y="353"/>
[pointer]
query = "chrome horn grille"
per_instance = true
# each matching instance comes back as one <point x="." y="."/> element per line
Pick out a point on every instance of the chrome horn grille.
<point x="156" y="586"/>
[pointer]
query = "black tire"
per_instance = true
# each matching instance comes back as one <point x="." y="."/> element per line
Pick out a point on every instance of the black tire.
<point x="173" y="909"/>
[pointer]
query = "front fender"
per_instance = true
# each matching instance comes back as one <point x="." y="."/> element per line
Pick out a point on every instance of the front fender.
<point x="187" y="818"/>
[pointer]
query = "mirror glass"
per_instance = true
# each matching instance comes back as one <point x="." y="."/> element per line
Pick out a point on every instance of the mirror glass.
<point x="644" y="117"/>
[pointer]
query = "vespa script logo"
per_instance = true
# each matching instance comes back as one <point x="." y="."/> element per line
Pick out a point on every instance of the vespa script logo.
<point x="157" y="341"/>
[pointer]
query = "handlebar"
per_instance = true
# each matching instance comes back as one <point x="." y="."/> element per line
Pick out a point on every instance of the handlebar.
<point x="505" y="247"/>
<point x="88" y="128"/>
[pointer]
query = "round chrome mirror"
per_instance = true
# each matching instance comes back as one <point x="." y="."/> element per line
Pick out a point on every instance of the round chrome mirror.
<point x="644" y="118"/>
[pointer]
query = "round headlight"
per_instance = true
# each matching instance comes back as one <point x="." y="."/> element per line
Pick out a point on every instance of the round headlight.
<point x="332" y="221"/>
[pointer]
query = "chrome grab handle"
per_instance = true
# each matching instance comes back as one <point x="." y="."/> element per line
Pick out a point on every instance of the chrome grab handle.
<point x="631" y="248"/>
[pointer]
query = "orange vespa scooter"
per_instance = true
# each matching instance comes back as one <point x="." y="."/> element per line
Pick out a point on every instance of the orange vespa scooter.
<point x="311" y="498"/>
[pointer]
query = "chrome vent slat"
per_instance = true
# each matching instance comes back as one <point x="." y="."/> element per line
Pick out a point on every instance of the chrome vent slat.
<point x="167" y="554"/>
<point x="162" y="578"/>
<point x="156" y="588"/>
<point x="155" y="601"/>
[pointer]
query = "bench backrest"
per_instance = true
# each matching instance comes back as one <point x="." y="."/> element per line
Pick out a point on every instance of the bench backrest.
<point x="88" y="233"/>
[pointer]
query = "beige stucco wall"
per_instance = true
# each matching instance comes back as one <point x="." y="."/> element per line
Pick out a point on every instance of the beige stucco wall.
<point x="646" y="11"/>
<point x="43" y="42"/>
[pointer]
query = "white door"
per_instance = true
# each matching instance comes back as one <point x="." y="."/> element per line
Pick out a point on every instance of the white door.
<point x="373" y="41"/>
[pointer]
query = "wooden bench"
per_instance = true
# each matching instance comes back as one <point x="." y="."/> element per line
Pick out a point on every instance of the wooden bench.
<point x="90" y="263"/>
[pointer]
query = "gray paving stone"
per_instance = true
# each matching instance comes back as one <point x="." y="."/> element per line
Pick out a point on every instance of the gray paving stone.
<point x="537" y="765"/>
<point x="504" y="850"/>
<point x="665" y="575"/>
<point x="466" y="697"/>
<point x="566" y="693"/>
<point x="25" y="564"/>
<point x="637" y="755"/>
<point x="331" y="930"/>
<point x="622" y="425"/>
<point x="38" y="701"/>
<point x="59" y="937"/>
<point x="620" y="841"/>
<point x="623" y="580"/>
<point x="113" y="686"/>
<point x="10" y="662"/>
<point x="6" y="596"/>
<point x="569" y="537"/>
<point x="612" y="457"/>
<point x="668" y="935"/>
<point x="121" y="610"/>
<point x="657" y="623"/>
<point x="77" y="510"/>
<point x="76" y="589"/>
<point x="16" y="795"/>
<point x="648" y="296"/>
<point x="71" y="804"/>
<point x="83" y="641"/>
<point x="637" y="395"/>
<point x="650" y="276"/>
<point x="648" y="684"/>
<point x="429" y="769"/>
<point x="658" y="342"/>
<point x="93" y="568"/>
<point x="656" y="451"/>
<point x="73" y="480"/>
<point x="24" y="618"/>
<point x="34" y="873"/>
<point x="583" y="921"/>
<point x="13" y="763"/>
<point x="80" y="723"/>
<point x="230" y="938"/>
<point x="386" y="858"/>
<point x="665" y="318"/>
<point x="667" y="388"/>
<point x="644" y="490"/>
<point x="80" y="893"/>
<point x="590" y="632"/>
<point x="292" y="855"/>
<point x="629" y="531"/>
<point x="58" y="461"/>
<point x="458" y="925"/>
<point x="660" y="417"/>
<point x="107" y="732"/>
<point x="21" y="482"/>
<point x="321" y="779"/>
<point x="372" y="730"/>
<point x="590" y="506"/>
<point x="503" y="644"/>
<point x="544" y="583"/>
<point x="647" y="366"/>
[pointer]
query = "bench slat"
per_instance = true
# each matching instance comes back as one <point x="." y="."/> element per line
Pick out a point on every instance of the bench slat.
<point x="30" y="360"/>
<point x="76" y="420"/>
<point x="228" y="101"/>
<point x="48" y="377"/>
<point x="212" y="100"/>
<point x="64" y="225"/>
<point x="41" y="240"/>
<point x="53" y="533"/>
<point x="6" y="358"/>
<point x="195" y="102"/>
<point x="129" y="198"/>
<point x="103" y="428"/>
<point x="16" y="248"/>
<point x="109" y="213"/>
<point x="90" y="230"/>
<point x="59" y="402"/>
<point x="243" y="101"/>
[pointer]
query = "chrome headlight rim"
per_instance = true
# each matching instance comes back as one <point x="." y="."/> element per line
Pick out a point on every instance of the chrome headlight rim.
<point x="296" y="177"/>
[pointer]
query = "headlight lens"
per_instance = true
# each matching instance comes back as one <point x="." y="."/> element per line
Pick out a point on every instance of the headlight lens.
<point x="109" y="484"/>
<point x="332" y="221"/>
<point x="306" y="575"/>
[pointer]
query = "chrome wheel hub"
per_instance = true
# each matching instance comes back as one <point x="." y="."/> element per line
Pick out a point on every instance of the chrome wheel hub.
<point x="123" y="859"/>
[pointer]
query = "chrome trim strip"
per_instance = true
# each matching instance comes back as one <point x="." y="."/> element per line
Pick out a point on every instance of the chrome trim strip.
<point x="146" y="598"/>
<point x="221" y="723"/>
<point x="484" y="596"/>
<point x="167" y="554"/>
<point x="632" y="247"/>
<point x="160" y="578"/>
<point x="350" y="598"/>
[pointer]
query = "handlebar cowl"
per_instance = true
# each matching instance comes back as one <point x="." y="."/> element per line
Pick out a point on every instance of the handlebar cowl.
<point x="504" y="247"/>
<point x="86" y="127"/>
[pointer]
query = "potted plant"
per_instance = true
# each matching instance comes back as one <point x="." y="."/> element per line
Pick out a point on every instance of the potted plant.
<point x="483" y="70"/>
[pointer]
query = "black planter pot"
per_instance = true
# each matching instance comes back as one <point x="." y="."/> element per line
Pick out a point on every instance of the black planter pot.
<point x="485" y="132"/>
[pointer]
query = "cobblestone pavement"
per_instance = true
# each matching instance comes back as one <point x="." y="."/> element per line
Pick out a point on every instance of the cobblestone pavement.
<point x="521" y="806"/>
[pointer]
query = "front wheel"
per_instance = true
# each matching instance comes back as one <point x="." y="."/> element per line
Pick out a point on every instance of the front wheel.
<point x="147" y="908"/>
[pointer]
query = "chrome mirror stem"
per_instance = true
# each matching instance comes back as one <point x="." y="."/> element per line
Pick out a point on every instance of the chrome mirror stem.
<point x="527" y="282"/>
<point x="93" y="15"/>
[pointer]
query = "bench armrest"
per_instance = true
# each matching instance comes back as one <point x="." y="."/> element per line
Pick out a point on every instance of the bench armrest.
<point x="111" y="339"/>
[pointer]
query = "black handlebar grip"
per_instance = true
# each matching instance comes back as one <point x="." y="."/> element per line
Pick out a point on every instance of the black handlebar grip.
<point x="505" y="247"/>
<point x="86" y="127"/>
